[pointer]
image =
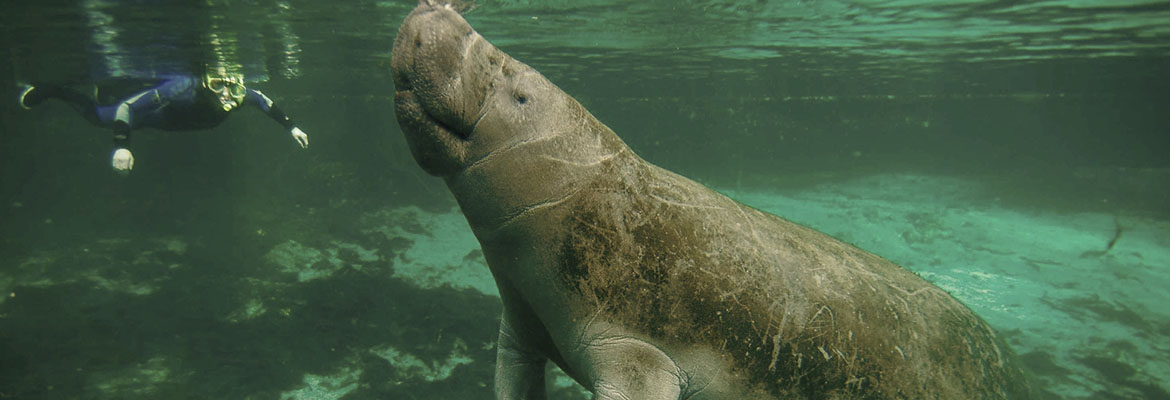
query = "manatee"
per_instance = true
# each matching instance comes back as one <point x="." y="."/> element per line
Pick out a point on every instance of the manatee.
<point x="642" y="284"/>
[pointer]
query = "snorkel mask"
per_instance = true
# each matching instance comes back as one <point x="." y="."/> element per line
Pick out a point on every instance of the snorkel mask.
<point x="228" y="88"/>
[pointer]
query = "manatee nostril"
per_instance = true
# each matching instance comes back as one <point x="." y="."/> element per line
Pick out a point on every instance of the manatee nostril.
<point x="403" y="83"/>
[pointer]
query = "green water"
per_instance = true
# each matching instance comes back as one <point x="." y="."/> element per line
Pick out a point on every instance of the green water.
<point x="994" y="148"/>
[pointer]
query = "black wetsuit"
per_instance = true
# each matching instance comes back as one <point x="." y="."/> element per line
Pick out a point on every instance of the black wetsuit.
<point x="170" y="103"/>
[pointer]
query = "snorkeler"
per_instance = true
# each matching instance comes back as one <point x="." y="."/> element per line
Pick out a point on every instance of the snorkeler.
<point x="170" y="103"/>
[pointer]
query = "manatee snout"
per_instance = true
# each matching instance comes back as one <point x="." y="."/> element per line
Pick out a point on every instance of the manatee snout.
<point x="435" y="107"/>
<point x="429" y="48"/>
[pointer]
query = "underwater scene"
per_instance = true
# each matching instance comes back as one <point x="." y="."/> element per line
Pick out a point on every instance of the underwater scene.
<point x="1015" y="155"/>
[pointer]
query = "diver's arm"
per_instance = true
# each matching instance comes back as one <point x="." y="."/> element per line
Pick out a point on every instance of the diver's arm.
<point x="122" y="159"/>
<point x="140" y="107"/>
<point x="266" y="105"/>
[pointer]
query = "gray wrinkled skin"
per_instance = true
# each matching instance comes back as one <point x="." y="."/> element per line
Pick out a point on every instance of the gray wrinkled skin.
<point x="642" y="284"/>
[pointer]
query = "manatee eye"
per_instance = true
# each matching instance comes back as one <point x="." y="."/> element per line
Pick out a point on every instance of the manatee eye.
<point x="521" y="99"/>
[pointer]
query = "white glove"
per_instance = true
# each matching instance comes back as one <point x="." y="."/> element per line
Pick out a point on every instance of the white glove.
<point x="300" y="137"/>
<point x="123" y="160"/>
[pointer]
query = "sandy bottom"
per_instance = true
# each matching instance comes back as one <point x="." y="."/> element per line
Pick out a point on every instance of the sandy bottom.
<point x="403" y="304"/>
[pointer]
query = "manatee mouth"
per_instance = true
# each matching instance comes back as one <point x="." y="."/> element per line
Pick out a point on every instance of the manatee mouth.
<point x="409" y="108"/>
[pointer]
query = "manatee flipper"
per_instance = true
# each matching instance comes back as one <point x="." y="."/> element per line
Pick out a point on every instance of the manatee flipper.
<point x="519" y="365"/>
<point x="629" y="368"/>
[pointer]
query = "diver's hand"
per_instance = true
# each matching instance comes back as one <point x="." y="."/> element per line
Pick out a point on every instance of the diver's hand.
<point x="300" y="137"/>
<point x="123" y="161"/>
